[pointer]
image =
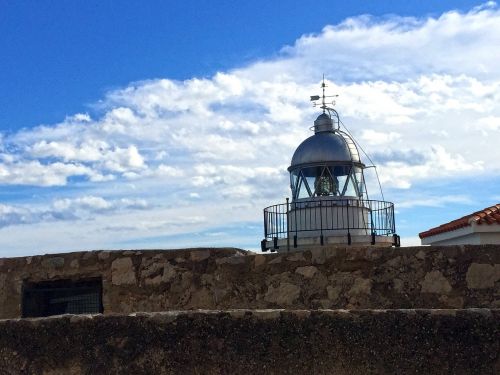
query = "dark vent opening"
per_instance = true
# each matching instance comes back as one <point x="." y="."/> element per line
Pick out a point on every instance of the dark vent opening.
<point x="58" y="297"/>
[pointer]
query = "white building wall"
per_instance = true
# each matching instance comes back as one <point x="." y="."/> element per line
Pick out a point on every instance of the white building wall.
<point x="471" y="235"/>
<point x="489" y="238"/>
<point x="468" y="239"/>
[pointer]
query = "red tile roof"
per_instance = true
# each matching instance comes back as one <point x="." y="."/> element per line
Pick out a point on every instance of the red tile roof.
<point x="489" y="215"/>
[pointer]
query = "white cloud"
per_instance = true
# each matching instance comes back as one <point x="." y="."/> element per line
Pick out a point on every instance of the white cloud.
<point x="396" y="48"/>
<point x="435" y="201"/>
<point x="487" y="124"/>
<point x="81" y="208"/>
<point x="438" y="164"/>
<point x="84" y="152"/>
<point x="11" y="215"/>
<point x="50" y="174"/>
<point x="375" y="138"/>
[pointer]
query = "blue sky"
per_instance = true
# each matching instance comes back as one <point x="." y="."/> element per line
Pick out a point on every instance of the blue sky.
<point x="60" y="57"/>
<point x="171" y="124"/>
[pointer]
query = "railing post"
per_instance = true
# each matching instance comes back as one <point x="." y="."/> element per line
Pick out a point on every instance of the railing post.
<point x="295" y="223"/>
<point x="372" y="225"/>
<point x="265" y="223"/>
<point x="263" y="246"/>
<point x="349" y="241"/>
<point x="321" y="222"/>
<point x="287" y="227"/>
<point x="393" y="226"/>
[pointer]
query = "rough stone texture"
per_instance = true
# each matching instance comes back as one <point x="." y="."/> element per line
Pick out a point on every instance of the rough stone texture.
<point x="459" y="342"/>
<point x="283" y="295"/>
<point x="307" y="271"/>
<point x="481" y="276"/>
<point x="435" y="282"/>
<point x="200" y="255"/>
<point x="122" y="271"/>
<point x="337" y="278"/>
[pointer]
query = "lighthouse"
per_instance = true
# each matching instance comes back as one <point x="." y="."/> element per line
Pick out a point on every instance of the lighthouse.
<point x="330" y="205"/>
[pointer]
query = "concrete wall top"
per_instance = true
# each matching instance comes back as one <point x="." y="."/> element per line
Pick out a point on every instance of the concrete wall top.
<point x="458" y="342"/>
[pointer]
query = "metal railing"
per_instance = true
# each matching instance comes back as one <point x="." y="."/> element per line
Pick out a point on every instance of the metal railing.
<point x="327" y="216"/>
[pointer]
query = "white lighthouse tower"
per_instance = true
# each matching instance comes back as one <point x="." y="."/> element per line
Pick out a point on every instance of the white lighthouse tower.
<point x="330" y="204"/>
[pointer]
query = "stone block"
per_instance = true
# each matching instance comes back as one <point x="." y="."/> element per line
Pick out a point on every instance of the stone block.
<point x="435" y="282"/>
<point x="482" y="276"/>
<point x="283" y="295"/>
<point x="169" y="272"/>
<point x="154" y="280"/>
<point x="307" y="271"/>
<point x="231" y="260"/>
<point x="259" y="260"/>
<point x="56" y="262"/>
<point x="103" y="255"/>
<point x="318" y="256"/>
<point x="123" y="272"/>
<point x="276" y="260"/>
<point x="360" y="286"/>
<point x="199" y="255"/>
<point x="333" y="292"/>
<point x="398" y="285"/>
<point x="296" y="257"/>
<point x="420" y="255"/>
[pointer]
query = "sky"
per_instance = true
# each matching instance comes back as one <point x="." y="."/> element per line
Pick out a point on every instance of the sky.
<point x="127" y="125"/>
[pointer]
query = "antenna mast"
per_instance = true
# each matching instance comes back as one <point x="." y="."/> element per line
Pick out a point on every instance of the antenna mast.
<point x="326" y="106"/>
<point x="323" y="85"/>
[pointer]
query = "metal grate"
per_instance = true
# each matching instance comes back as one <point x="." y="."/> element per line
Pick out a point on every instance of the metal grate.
<point x="62" y="297"/>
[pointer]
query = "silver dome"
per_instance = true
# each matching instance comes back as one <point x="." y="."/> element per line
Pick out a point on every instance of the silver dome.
<point x="322" y="147"/>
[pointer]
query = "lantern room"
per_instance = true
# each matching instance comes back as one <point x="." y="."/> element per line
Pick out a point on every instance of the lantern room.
<point x="326" y="164"/>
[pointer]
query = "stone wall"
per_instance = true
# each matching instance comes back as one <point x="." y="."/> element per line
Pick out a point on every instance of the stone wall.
<point x="326" y="278"/>
<point x="458" y="342"/>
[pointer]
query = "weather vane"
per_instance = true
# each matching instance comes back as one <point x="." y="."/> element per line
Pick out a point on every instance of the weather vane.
<point x="324" y="104"/>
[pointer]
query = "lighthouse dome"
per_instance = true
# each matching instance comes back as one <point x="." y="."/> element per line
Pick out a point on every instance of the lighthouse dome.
<point x="325" y="146"/>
